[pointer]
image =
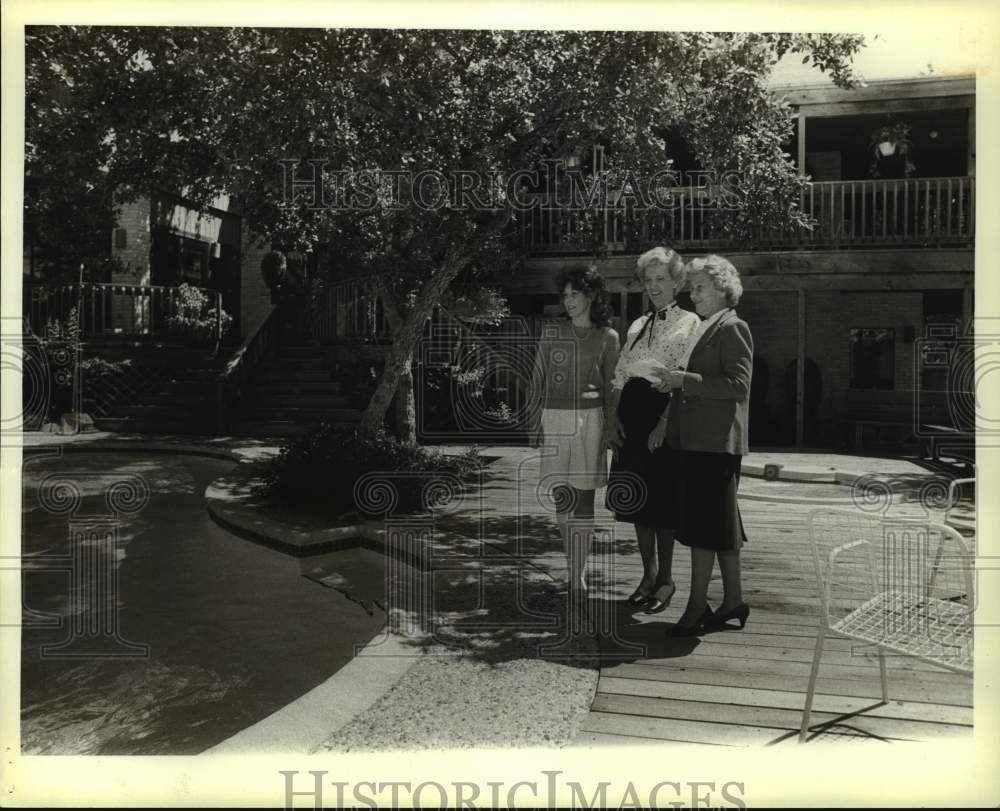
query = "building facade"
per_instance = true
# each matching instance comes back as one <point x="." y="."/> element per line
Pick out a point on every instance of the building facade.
<point x="840" y="314"/>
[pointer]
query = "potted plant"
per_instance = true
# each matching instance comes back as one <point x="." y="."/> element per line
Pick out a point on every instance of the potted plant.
<point x="194" y="321"/>
<point x="892" y="140"/>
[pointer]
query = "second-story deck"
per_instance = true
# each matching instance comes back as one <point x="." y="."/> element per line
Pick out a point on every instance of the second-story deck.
<point x="847" y="214"/>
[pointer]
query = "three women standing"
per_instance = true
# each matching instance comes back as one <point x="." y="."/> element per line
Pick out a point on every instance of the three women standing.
<point x="674" y="406"/>
<point x="573" y="374"/>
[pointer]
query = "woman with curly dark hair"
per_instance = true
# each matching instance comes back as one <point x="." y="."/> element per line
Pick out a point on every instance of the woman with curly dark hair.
<point x="574" y="368"/>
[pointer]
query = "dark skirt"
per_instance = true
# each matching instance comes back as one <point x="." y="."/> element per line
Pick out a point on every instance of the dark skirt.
<point x="642" y="486"/>
<point x="709" y="515"/>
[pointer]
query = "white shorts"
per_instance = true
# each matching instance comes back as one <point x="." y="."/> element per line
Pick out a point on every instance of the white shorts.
<point x="573" y="449"/>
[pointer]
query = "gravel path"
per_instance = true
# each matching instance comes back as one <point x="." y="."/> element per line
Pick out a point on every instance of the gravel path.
<point x="456" y="701"/>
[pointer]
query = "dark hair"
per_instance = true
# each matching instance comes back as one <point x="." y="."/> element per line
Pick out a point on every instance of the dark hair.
<point x="587" y="279"/>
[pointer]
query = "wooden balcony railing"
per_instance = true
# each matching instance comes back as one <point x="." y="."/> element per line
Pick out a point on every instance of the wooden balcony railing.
<point x="129" y="310"/>
<point x="934" y="212"/>
<point x="350" y="310"/>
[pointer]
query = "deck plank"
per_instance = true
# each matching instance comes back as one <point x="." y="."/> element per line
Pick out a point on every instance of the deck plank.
<point x="788" y="699"/>
<point x="782" y="719"/>
<point x="733" y="688"/>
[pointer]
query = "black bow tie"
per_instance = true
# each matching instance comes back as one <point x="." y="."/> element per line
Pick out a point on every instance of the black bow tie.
<point x="661" y="314"/>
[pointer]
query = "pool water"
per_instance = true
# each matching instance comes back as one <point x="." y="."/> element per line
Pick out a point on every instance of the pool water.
<point x="209" y="632"/>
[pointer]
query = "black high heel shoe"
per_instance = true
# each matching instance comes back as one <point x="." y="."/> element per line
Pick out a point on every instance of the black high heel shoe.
<point x="639" y="597"/>
<point x="656" y="603"/>
<point x="680" y="631"/>
<point x="740" y="613"/>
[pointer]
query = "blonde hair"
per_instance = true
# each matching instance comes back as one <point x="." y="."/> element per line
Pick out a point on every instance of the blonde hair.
<point x="724" y="275"/>
<point x="666" y="257"/>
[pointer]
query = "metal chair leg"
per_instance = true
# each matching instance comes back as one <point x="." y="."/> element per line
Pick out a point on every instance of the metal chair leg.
<point x="810" y="692"/>
<point x="884" y="675"/>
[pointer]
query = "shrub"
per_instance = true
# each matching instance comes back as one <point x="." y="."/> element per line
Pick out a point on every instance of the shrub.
<point x="358" y="380"/>
<point x="194" y="320"/>
<point x="451" y="393"/>
<point x="321" y="469"/>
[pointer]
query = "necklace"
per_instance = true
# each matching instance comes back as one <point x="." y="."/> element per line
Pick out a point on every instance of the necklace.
<point x="586" y="330"/>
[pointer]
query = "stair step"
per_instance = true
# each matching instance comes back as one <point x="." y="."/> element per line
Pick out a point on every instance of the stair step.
<point x="256" y="399"/>
<point x="178" y="397"/>
<point x="294" y="363"/>
<point x="272" y="388"/>
<point x="189" y="375"/>
<point x="282" y="375"/>
<point x="300" y="351"/>
<point x="203" y="388"/>
<point x="293" y="414"/>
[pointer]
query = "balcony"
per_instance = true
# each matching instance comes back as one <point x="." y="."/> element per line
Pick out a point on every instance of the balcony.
<point x="922" y="213"/>
<point x="101" y="310"/>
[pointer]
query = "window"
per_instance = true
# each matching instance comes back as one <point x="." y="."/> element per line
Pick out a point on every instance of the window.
<point x="176" y="259"/>
<point x="873" y="358"/>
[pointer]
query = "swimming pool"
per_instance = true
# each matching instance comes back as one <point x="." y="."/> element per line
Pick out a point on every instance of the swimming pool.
<point x="233" y="630"/>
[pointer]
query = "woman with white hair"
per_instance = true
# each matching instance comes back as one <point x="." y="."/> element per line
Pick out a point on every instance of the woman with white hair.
<point x="708" y="425"/>
<point x="642" y="483"/>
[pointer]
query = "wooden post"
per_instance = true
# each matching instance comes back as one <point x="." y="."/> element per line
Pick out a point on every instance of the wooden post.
<point x="970" y="159"/>
<point x="968" y="309"/>
<point x="802" y="144"/>
<point x="800" y="373"/>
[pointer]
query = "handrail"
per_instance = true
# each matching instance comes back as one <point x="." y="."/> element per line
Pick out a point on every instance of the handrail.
<point x="110" y="307"/>
<point x="239" y="367"/>
<point x="208" y="291"/>
<point x="355" y="300"/>
<point x="845" y="213"/>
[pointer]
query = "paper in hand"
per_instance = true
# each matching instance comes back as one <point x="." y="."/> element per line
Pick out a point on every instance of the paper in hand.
<point x="649" y="368"/>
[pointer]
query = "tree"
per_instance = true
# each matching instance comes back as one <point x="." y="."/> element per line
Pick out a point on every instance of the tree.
<point x="240" y="110"/>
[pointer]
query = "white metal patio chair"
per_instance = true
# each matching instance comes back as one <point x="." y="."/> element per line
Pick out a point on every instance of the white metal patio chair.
<point x="902" y="585"/>
<point x="954" y="487"/>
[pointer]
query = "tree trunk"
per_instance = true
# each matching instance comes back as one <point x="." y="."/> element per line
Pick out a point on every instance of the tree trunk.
<point x="406" y="404"/>
<point x="407" y="330"/>
<point x="400" y="355"/>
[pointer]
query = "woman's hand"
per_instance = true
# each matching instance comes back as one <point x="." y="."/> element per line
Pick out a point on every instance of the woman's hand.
<point x="657" y="435"/>
<point x="673" y="379"/>
<point x="614" y="434"/>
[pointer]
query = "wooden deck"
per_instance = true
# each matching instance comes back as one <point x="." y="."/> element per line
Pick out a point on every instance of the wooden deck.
<point x="733" y="688"/>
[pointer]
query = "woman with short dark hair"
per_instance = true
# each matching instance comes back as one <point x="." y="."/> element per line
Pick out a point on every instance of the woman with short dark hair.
<point x="572" y="378"/>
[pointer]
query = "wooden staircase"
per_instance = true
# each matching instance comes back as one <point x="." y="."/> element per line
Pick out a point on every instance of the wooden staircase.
<point x="290" y="390"/>
<point x="172" y="392"/>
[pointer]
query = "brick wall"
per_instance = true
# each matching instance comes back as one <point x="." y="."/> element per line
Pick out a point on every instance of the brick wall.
<point x="773" y="320"/>
<point x="255" y="295"/>
<point x="135" y="255"/>
<point x="830" y="316"/>
<point x="128" y="311"/>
